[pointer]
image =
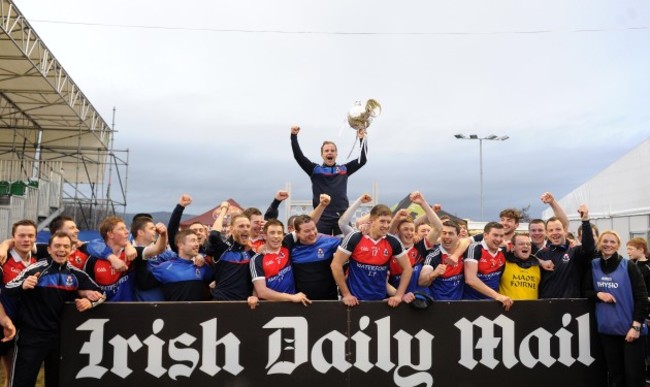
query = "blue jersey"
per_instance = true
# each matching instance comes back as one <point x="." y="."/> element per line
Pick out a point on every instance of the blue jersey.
<point x="41" y="308"/>
<point x="311" y="266"/>
<point x="182" y="280"/>
<point x="450" y="285"/>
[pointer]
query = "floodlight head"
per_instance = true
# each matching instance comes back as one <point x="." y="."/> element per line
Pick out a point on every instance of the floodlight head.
<point x="473" y="136"/>
<point x="460" y="136"/>
<point x="503" y="138"/>
<point x="491" y="137"/>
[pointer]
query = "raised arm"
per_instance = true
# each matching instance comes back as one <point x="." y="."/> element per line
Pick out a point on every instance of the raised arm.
<point x="344" y="220"/>
<point x="558" y="211"/>
<point x="175" y="219"/>
<point x="586" y="250"/>
<point x="399" y="216"/>
<point x="318" y="211"/>
<point x="433" y="218"/>
<point x="160" y="245"/>
<point x="356" y="164"/>
<point x="219" y="215"/>
<point x="272" y="212"/>
<point x="306" y="164"/>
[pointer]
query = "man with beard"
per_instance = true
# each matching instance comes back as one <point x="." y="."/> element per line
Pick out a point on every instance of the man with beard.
<point x="231" y="259"/>
<point x="328" y="178"/>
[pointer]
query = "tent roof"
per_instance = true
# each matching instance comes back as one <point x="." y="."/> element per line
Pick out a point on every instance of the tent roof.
<point x="618" y="190"/>
<point x="207" y="219"/>
<point x="42" y="108"/>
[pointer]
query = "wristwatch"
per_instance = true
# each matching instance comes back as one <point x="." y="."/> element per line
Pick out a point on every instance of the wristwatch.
<point x="636" y="328"/>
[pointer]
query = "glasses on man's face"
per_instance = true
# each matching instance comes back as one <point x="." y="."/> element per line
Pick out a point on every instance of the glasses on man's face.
<point x="523" y="244"/>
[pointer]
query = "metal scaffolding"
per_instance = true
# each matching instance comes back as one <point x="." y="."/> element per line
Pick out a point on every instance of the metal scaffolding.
<point x="45" y="119"/>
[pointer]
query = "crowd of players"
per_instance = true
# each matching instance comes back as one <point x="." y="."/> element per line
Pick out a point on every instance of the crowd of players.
<point x="251" y="256"/>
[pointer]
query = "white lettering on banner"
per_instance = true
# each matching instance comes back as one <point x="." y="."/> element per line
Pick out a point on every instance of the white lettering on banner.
<point x="94" y="348"/>
<point x="489" y="342"/>
<point x="299" y="345"/>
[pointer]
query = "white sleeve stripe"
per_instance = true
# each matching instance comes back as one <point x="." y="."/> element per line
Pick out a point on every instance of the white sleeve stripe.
<point x="344" y="250"/>
<point x="346" y="241"/>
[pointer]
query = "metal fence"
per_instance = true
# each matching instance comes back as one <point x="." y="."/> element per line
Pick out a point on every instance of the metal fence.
<point x="28" y="190"/>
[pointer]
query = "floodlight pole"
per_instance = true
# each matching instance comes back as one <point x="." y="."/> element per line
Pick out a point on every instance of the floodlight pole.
<point x="491" y="137"/>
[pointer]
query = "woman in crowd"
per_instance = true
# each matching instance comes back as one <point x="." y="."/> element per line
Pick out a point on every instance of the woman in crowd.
<point x="617" y="287"/>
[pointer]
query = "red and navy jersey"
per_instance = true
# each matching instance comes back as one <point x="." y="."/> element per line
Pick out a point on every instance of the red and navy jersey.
<point x="275" y="268"/>
<point x="10" y="270"/>
<point x="257" y="243"/>
<point x="41" y="307"/>
<point x="450" y="285"/>
<point x="14" y="265"/>
<point x="118" y="286"/>
<point x="181" y="280"/>
<point x="490" y="267"/>
<point x="416" y="255"/>
<point x="369" y="261"/>
<point x="311" y="266"/>
<point x="78" y="257"/>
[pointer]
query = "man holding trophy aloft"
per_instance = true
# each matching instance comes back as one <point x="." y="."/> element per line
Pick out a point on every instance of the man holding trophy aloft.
<point x="329" y="177"/>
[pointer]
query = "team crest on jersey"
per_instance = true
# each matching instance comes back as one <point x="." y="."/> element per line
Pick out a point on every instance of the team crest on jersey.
<point x="320" y="253"/>
<point x="197" y="272"/>
<point x="566" y="258"/>
<point x="385" y="252"/>
<point x="337" y="170"/>
<point x="68" y="280"/>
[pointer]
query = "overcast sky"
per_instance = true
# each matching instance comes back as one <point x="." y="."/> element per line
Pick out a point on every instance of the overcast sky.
<point x="205" y="107"/>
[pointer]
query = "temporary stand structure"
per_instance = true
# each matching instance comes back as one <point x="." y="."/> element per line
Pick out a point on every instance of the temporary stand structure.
<point x="49" y="130"/>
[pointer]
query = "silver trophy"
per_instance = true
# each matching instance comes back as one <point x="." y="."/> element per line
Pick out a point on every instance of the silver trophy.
<point x="360" y="117"/>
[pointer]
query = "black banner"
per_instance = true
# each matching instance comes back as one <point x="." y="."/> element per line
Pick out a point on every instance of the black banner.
<point x="462" y="343"/>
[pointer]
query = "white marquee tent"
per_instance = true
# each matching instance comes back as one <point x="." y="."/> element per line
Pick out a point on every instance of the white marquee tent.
<point x="618" y="196"/>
